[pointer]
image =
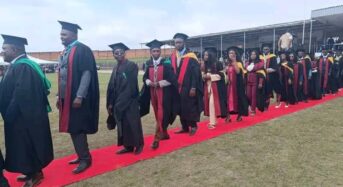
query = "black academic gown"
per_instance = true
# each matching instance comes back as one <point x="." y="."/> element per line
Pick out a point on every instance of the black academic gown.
<point x="218" y="90"/>
<point x="83" y="120"/>
<point x="273" y="82"/>
<point x="123" y="95"/>
<point x="169" y="102"/>
<point x="315" y="81"/>
<point x="23" y="106"/>
<point x="334" y="76"/>
<point x="189" y="77"/>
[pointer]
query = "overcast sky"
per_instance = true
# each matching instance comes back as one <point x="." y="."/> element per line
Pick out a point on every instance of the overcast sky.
<point x="135" y="21"/>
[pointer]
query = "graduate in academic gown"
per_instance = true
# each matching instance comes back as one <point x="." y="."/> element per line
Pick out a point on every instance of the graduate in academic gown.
<point x="78" y="94"/>
<point x="160" y="87"/>
<point x="305" y="60"/>
<point x="325" y="62"/>
<point x="315" y="91"/>
<point x="289" y="77"/>
<point x="273" y="82"/>
<point x="237" y="101"/>
<point x="335" y="73"/>
<point x="255" y="82"/>
<point x="187" y="68"/>
<point x="24" y="108"/>
<point x="213" y="75"/>
<point x="123" y="102"/>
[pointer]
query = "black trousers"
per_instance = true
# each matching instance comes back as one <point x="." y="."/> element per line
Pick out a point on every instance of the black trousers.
<point x="81" y="146"/>
<point x="186" y="124"/>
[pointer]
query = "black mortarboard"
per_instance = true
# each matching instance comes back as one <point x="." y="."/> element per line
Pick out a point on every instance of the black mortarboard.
<point x="14" y="40"/>
<point x="180" y="35"/>
<point x="237" y="49"/>
<point x="70" y="26"/>
<point x="154" y="44"/>
<point x="211" y="49"/>
<point x="119" y="46"/>
<point x="266" y="45"/>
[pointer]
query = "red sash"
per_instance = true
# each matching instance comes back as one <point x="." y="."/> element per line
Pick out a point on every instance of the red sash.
<point x="183" y="70"/>
<point x="65" y="109"/>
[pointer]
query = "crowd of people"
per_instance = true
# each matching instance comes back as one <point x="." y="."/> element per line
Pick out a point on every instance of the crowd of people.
<point x="180" y="85"/>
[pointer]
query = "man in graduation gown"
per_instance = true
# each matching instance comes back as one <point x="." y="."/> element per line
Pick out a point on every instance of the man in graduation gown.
<point x="160" y="85"/>
<point x="24" y="107"/>
<point x="214" y="87"/>
<point x="305" y="61"/>
<point x="339" y="59"/>
<point x="123" y="102"/>
<point x="78" y="94"/>
<point x="324" y="66"/>
<point x="273" y="75"/>
<point x="187" y="68"/>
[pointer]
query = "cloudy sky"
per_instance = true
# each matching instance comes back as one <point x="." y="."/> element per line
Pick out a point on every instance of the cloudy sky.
<point x="136" y="21"/>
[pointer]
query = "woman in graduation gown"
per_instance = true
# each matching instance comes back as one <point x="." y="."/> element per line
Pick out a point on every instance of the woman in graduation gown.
<point x="255" y="82"/>
<point x="289" y="78"/>
<point x="237" y="101"/>
<point x="214" y="87"/>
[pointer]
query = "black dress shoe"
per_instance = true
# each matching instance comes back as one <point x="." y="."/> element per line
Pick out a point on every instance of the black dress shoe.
<point x="193" y="131"/>
<point x="23" y="178"/>
<point x="239" y="118"/>
<point x="75" y="161"/>
<point x="182" y="131"/>
<point x="83" y="166"/>
<point x="125" y="150"/>
<point x="155" y="145"/>
<point x="35" y="180"/>
<point x="165" y="137"/>
<point x="139" y="149"/>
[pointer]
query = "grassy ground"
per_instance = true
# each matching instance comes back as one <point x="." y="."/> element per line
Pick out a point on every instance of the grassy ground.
<point x="302" y="149"/>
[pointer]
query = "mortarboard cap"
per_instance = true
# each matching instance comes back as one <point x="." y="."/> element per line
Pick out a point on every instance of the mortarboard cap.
<point x="180" y="35"/>
<point x="266" y="45"/>
<point x="154" y="44"/>
<point x="119" y="46"/>
<point x="211" y="49"/>
<point x="70" y="26"/>
<point x="14" y="40"/>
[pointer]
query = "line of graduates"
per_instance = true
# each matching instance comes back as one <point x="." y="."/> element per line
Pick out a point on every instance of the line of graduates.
<point x="180" y="85"/>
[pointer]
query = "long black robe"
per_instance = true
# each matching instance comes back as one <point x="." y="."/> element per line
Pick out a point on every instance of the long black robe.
<point x="315" y="81"/>
<point x="83" y="120"/>
<point x="273" y="82"/>
<point x="218" y="90"/>
<point x="288" y="71"/>
<point x="169" y="102"/>
<point x="334" y="77"/>
<point x="123" y="95"/>
<point x="340" y="62"/>
<point x="189" y="77"/>
<point x="23" y="106"/>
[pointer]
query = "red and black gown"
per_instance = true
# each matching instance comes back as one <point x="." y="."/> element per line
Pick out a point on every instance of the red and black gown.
<point x="165" y="107"/>
<point x="237" y="101"/>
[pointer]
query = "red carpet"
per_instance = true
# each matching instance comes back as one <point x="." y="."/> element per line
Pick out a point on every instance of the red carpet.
<point x="58" y="173"/>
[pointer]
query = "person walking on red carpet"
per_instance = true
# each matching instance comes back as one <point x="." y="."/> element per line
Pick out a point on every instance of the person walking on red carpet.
<point x="237" y="101"/>
<point x="187" y="68"/>
<point x="123" y="102"/>
<point x="214" y="87"/>
<point x="160" y="87"/>
<point x="24" y="107"/>
<point x="255" y="82"/>
<point x="273" y="75"/>
<point x="78" y="94"/>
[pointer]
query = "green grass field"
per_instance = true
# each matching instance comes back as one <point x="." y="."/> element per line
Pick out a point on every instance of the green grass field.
<point x="301" y="149"/>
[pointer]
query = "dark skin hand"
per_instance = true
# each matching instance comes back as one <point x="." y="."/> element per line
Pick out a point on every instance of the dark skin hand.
<point x="192" y="92"/>
<point x="109" y="110"/>
<point x="77" y="102"/>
